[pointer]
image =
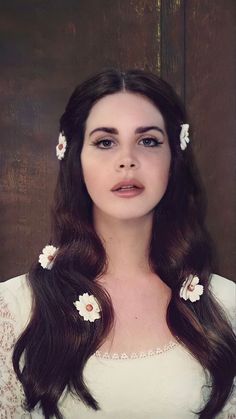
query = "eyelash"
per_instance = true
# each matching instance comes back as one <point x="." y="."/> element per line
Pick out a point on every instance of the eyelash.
<point x="96" y="143"/>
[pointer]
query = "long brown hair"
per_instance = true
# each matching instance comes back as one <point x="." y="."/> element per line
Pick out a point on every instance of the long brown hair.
<point x="180" y="245"/>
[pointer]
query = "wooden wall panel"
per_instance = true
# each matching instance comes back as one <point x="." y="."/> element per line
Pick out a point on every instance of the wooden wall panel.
<point x="173" y="44"/>
<point x="48" y="47"/>
<point x="210" y="81"/>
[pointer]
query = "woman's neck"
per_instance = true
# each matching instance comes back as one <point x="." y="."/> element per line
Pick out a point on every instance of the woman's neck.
<point x="127" y="245"/>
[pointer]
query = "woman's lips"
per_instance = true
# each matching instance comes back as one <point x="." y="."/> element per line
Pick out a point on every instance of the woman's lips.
<point x="128" y="182"/>
<point x="128" y="193"/>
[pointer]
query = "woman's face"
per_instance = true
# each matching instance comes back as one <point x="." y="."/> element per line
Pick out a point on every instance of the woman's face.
<point x="125" y="138"/>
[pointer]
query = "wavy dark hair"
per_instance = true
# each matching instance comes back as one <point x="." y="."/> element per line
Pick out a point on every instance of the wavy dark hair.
<point x="56" y="344"/>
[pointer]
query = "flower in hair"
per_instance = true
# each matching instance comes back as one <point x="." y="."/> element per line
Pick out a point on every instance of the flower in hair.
<point x="190" y="289"/>
<point x="61" y="146"/>
<point x="88" y="307"/>
<point x="46" y="258"/>
<point x="184" y="136"/>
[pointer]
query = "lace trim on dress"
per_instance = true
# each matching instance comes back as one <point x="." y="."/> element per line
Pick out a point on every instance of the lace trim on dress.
<point x="11" y="390"/>
<point x="135" y="355"/>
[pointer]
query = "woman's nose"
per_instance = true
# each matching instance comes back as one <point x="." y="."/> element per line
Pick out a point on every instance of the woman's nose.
<point x="127" y="163"/>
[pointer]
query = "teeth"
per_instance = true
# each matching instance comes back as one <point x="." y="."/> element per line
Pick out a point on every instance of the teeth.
<point x="128" y="187"/>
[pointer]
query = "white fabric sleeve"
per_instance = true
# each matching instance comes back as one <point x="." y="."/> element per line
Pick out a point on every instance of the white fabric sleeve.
<point x="11" y="391"/>
<point x="225" y="293"/>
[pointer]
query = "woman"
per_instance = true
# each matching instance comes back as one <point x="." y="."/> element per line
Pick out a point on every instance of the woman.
<point x="121" y="316"/>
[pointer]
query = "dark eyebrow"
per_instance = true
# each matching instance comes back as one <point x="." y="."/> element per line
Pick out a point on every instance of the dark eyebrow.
<point x="139" y="130"/>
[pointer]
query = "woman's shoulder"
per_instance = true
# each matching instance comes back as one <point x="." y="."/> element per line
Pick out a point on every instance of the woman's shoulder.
<point x="224" y="290"/>
<point x="15" y="284"/>
<point x="15" y="299"/>
<point x="15" y="309"/>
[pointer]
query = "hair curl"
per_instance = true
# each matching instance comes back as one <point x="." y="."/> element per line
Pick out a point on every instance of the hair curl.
<point x="180" y="245"/>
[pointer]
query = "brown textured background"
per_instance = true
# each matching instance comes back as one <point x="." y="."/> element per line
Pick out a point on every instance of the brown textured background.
<point x="48" y="47"/>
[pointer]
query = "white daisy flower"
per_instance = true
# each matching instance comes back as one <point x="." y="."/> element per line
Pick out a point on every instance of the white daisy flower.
<point x="190" y="289"/>
<point x="88" y="307"/>
<point x="61" y="146"/>
<point x="46" y="258"/>
<point x="184" y="136"/>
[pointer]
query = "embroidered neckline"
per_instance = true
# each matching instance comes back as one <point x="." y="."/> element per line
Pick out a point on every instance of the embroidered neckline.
<point x="135" y="355"/>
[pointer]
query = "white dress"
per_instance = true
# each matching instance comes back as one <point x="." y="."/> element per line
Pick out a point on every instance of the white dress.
<point x="163" y="383"/>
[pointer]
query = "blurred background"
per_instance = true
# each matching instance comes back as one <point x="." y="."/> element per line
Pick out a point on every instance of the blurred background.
<point x="47" y="47"/>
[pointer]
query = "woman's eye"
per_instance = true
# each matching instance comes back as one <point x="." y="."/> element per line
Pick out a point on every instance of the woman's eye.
<point x="148" y="142"/>
<point x="106" y="143"/>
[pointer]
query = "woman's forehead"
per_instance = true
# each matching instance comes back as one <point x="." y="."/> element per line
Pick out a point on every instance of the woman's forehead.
<point x="123" y="107"/>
